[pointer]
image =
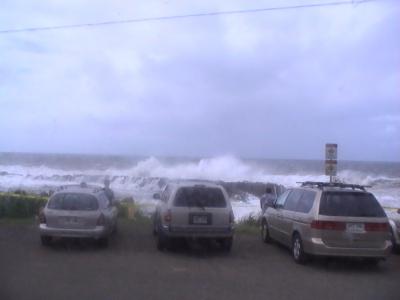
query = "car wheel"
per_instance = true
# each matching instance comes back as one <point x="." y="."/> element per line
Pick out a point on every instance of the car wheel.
<point x="265" y="237"/>
<point x="162" y="241"/>
<point x="372" y="261"/>
<point x="226" y="244"/>
<point x="103" y="242"/>
<point x="115" y="229"/>
<point x="395" y="247"/>
<point x="298" y="253"/>
<point x="155" y="226"/>
<point x="45" y="240"/>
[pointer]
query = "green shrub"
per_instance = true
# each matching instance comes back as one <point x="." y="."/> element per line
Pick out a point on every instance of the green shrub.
<point x="20" y="205"/>
<point x="123" y="210"/>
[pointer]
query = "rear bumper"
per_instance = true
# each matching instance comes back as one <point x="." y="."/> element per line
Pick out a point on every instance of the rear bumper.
<point x="317" y="247"/>
<point x="206" y="232"/>
<point x="97" y="232"/>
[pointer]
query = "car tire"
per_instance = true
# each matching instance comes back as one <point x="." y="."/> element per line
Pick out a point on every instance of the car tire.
<point x="372" y="261"/>
<point x="103" y="242"/>
<point x="45" y="240"/>
<point x="162" y="241"/>
<point x="115" y="229"/>
<point x="226" y="244"/>
<point x="155" y="226"/>
<point x="265" y="237"/>
<point x="298" y="253"/>
<point x="395" y="247"/>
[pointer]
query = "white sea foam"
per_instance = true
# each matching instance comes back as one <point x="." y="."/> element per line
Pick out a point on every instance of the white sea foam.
<point x="142" y="179"/>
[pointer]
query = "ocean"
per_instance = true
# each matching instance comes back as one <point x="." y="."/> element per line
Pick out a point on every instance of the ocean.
<point x="141" y="177"/>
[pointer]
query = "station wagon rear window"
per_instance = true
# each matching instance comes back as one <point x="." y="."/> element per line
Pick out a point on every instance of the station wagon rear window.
<point x="200" y="197"/>
<point x="351" y="204"/>
<point x="73" y="201"/>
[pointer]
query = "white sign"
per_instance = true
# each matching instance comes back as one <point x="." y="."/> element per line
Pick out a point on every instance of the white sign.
<point x="331" y="159"/>
<point x="331" y="151"/>
<point x="330" y="167"/>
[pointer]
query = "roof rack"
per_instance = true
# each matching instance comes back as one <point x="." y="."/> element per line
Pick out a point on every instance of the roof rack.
<point x="322" y="185"/>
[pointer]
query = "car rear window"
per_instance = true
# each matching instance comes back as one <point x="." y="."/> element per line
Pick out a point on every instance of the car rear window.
<point x="73" y="201"/>
<point x="202" y="197"/>
<point x="350" y="204"/>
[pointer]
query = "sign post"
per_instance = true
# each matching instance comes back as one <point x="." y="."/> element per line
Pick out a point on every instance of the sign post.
<point x="331" y="160"/>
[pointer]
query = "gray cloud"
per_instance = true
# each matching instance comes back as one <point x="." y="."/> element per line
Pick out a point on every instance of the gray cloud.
<point x="264" y="85"/>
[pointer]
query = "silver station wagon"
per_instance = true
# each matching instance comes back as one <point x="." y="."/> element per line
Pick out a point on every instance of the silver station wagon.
<point x="193" y="210"/>
<point x="78" y="211"/>
<point x="328" y="220"/>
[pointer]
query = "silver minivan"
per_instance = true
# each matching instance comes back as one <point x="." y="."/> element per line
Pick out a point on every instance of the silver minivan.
<point x="193" y="210"/>
<point x="394" y="221"/>
<point x="327" y="219"/>
<point x="78" y="211"/>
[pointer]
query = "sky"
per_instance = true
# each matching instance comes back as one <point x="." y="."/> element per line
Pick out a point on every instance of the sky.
<point x="277" y="84"/>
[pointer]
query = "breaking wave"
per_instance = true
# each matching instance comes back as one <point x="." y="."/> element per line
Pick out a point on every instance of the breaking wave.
<point x="141" y="179"/>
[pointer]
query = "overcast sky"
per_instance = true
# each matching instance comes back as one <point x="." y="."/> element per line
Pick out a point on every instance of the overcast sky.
<point x="276" y="84"/>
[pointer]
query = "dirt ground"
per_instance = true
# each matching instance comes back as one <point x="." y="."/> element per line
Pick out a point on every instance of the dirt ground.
<point x="132" y="268"/>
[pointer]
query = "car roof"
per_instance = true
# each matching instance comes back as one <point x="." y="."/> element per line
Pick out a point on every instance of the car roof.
<point x="194" y="183"/>
<point x="79" y="188"/>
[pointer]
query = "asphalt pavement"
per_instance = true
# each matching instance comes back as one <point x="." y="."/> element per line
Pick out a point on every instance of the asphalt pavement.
<point x="132" y="268"/>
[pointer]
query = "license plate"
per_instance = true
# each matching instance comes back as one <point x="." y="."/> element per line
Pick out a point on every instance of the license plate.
<point x="355" y="227"/>
<point x="73" y="221"/>
<point x="202" y="220"/>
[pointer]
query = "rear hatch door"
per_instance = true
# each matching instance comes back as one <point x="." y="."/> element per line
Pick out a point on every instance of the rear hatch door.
<point x="200" y="207"/>
<point x="352" y="220"/>
<point x="72" y="211"/>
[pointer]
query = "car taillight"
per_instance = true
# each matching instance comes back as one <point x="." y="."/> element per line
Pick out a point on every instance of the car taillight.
<point x="231" y="217"/>
<point x="167" y="217"/>
<point x="101" y="221"/>
<point x="42" y="218"/>
<point x="376" y="227"/>
<point x="328" y="225"/>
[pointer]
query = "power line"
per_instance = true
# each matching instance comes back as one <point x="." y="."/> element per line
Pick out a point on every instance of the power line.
<point x="195" y="15"/>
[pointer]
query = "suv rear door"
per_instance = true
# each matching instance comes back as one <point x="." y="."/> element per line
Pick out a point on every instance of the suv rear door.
<point x="200" y="207"/>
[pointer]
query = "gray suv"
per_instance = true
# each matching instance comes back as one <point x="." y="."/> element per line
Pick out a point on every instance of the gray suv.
<point x="78" y="211"/>
<point x="327" y="219"/>
<point x="193" y="210"/>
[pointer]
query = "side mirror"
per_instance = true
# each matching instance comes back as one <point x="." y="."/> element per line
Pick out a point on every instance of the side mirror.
<point x="156" y="196"/>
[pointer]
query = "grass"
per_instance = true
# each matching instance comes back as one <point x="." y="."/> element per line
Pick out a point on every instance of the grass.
<point x="248" y="225"/>
<point x="17" y="221"/>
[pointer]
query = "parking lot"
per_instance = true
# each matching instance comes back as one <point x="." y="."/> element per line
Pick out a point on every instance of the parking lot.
<point x="132" y="268"/>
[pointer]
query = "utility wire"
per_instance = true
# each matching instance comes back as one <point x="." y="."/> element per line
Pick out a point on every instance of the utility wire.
<point x="195" y="15"/>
